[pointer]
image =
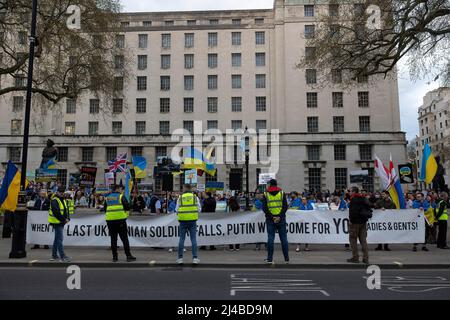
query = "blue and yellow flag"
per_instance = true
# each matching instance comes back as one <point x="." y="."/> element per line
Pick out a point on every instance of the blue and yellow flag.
<point x="128" y="185"/>
<point x="9" y="192"/>
<point x="429" y="165"/>
<point x="195" y="159"/>
<point x="140" y="166"/>
<point x="51" y="164"/>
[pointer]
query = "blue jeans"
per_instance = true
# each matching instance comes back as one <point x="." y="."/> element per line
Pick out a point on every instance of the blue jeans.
<point x="58" y="242"/>
<point x="282" y="232"/>
<point x="191" y="227"/>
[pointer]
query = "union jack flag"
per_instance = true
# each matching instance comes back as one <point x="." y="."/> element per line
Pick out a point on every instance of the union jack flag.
<point x="119" y="164"/>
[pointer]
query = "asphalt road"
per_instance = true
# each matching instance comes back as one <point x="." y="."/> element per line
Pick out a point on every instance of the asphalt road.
<point x="218" y="284"/>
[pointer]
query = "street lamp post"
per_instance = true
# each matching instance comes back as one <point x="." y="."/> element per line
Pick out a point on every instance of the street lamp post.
<point x="247" y="158"/>
<point x="19" y="224"/>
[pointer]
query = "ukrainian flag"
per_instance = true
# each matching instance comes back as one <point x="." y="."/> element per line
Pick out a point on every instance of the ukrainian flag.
<point x="51" y="164"/>
<point x="9" y="192"/>
<point x="429" y="165"/>
<point x="194" y="159"/>
<point x="139" y="164"/>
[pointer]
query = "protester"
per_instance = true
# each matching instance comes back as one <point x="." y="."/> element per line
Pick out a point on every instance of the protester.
<point x="188" y="208"/>
<point x="233" y="206"/>
<point x="275" y="207"/>
<point x="138" y="203"/>
<point x="155" y="205"/>
<point x="58" y="216"/>
<point x="442" y="217"/>
<point x="385" y="202"/>
<point x="423" y="205"/>
<point x="359" y="213"/>
<point x="116" y="208"/>
<point x="41" y="203"/>
<point x="209" y="206"/>
<point x="305" y="205"/>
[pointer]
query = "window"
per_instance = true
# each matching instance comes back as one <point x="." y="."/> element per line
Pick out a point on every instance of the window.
<point x="333" y="10"/>
<point x="260" y="81"/>
<point x="22" y="38"/>
<point x="160" y="152"/>
<point x="143" y="41"/>
<point x="338" y="125"/>
<point x="212" y="82"/>
<point x="213" y="104"/>
<point x="338" y="99"/>
<point x="311" y="76"/>
<point x="309" y="10"/>
<point x="166" y="41"/>
<point x="188" y="40"/>
<point x="165" y="61"/>
<point x="18" y="104"/>
<point x="164" y="127"/>
<point x="363" y="99"/>
<point x="259" y="20"/>
<point x="212" y="124"/>
<point x="212" y="39"/>
<point x="260" y="37"/>
<point x="261" y="104"/>
<point x="212" y="60"/>
<point x="236" y="38"/>
<point x="125" y="24"/>
<point x="137" y="151"/>
<point x="169" y="23"/>
<point x="19" y="81"/>
<point x="188" y="61"/>
<point x="141" y="105"/>
<point x="119" y="62"/>
<point x="188" y="126"/>
<point x="260" y="59"/>
<point x="111" y="153"/>
<point x="261" y="125"/>
<point x="236" y="81"/>
<point x="140" y="127"/>
<point x="358" y="9"/>
<point x="369" y="186"/>
<point x="236" y="104"/>
<point x="311" y="99"/>
<point x="142" y="62"/>
<point x="365" y="152"/>
<point x="15" y="154"/>
<point x="61" y="176"/>
<point x="117" y="127"/>
<point x="118" y="83"/>
<point x="142" y="83"/>
<point x="165" y="83"/>
<point x="93" y="128"/>
<point x="213" y="21"/>
<point x="340" y="152"/>
<point x="147" y="23"/>
<point x="236" y="124"/>
<point x="87" y="154"/>
<point x="188" y="105"/>
<point x="236" y="21"/>
<point x="236" y="59"/>
<point x="313" y="152"/>
<point x="313" y="124"/>
<point x="164" y="105"/>
<point x="188" y="83"/>
<point x="16" y="127"/>
<point x="336" y="76"/>
<point x="63" y="154"/>
<point x="362" y="78"/>
<point x="117" y="106"/>
<point x="71" y="106"/>
<point x="310" y="53"/>
<point x="192" y="22"/>
<point x="69" y="128"/>
<point x="340" y="178"/>
<point x="120" y="41"/>
<point x="315" y="179"/>
<point x="364" y="124"/>
<point x="310" y="31"/>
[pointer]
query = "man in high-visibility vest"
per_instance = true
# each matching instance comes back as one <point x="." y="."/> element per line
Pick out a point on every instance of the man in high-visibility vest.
<point x="442" y="217"/>
<point x="116" y="208"/>
<point x="58" y="216"/>
<point x="187" y="208"/>
<point x="275" y="206"/>
<point x="69" y="203"/>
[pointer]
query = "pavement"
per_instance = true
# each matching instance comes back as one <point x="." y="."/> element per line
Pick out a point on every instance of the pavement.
<point x="320" y="256"/>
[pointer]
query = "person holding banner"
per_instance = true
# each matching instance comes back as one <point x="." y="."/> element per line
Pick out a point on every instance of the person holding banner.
<point x="442" y="217"/>
<point x="275" y="206"/>
<point x="116" y="208"/>
<point x="424" y="206"/>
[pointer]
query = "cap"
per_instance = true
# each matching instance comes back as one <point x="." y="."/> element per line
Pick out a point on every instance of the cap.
<point x="273" y="183"/>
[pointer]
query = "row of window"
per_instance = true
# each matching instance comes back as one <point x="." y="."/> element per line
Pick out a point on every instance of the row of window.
<point x="338" y="124"/>
<point x="236" y="61"/>
<point x="191" y="22"/>
<point x="189" y="40"/>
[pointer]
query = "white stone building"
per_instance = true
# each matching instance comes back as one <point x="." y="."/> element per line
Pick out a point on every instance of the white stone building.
<point x="227" y="69"/>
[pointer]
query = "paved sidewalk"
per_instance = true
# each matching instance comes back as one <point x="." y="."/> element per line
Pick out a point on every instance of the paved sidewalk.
<point x="320" y="256"/>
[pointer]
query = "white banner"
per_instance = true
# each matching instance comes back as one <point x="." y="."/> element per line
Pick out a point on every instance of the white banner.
<point x="330" y="227"/>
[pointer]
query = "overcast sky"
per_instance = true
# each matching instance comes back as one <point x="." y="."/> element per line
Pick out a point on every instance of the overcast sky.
<point x="411" y="93"/>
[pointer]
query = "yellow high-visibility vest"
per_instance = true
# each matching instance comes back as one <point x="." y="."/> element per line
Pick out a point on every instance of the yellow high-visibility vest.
<point x="114" y="209"/>
<point x="62" y="208"/>
<point x="275" y="203"/>
<point x="188" y="207"/>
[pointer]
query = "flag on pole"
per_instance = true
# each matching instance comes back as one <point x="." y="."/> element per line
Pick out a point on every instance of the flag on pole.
<point x="383" y="173"/>
<point x="118" y="164"/>
<point x="140" y="166"/>
<point x="395" y="189"/>
<point x="195" y="159"/>
<point x="128" y="185"/>
<point x="429" y="166"/>
<point x="9" y="192"/>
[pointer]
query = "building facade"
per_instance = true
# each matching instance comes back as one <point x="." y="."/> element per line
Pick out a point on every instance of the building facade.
<point x="227" y="70"/>
<point x="434" y="126"/>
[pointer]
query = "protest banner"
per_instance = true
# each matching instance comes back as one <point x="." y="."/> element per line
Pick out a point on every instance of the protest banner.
<point x="87" y="178"/>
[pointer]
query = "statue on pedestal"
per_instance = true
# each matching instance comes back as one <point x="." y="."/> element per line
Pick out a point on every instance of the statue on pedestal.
<point x="49" y="152"/>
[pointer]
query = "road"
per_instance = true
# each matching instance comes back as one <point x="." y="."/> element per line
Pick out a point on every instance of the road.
<point x="222" y="284"/>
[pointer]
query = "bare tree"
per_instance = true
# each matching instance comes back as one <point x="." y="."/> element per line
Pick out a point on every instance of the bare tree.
<point x="366" y="38"/>
<point x="68" y="61"/>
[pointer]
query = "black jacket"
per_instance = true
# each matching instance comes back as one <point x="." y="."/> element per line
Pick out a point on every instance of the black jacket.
<point x="41" y="205"/>
<point x="274" y="191"/>
<point x="358" y="203"/>
<point x="209" y="205"/>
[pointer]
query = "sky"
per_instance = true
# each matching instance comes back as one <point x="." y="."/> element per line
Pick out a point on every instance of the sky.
<point x="411" y="92"/>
